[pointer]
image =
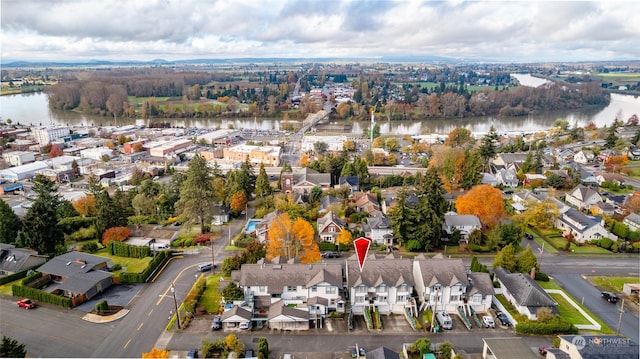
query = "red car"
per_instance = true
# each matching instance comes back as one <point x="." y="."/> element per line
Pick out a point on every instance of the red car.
<point x="26" y="303"/>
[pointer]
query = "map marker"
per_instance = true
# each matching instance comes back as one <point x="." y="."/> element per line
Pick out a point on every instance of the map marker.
<point x="362" y="248"/>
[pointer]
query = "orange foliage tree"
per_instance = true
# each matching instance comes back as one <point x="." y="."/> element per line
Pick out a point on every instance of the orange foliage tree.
<point x="345" y="238"/>
<point x="238" y="202"/>
<point x="483" y="201"/>
<point x="85" y="206"/>
<point x="55" y="151"/>
<point x="156" y="353"/>
<point x="117" y="234"/>
<point x="292" y="239"/>
<point x="616" y="163"/>
<point x="633" y="203"/>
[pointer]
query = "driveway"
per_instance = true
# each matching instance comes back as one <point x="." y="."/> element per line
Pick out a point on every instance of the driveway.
<point x="120" y="294"/>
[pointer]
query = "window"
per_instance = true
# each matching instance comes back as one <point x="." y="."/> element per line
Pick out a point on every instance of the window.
<point x="332" y="229"/>
<point x="403" y="288"/>
<point x="455" y="298"/>
<point x="314" y="289"/>
<point x="382" y="288"/>
<point x="359" y="299"/>
<point x="361" y="289"/>
<point x="262" y="289"/>
<point x="401" y="298"/>
<point x="381" y="298"/>
<point x="292" y="288"/>
<point x="331" y="290"/>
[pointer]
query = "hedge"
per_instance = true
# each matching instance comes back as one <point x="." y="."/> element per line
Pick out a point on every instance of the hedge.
<point x="144" y="275"/>
<point x="326" y="246"/>
<point x="31" y="278"/>
<point x="102" y="306"/>
<point x="555" y="326"/>
<point x="40" y="296"/>
<point x="15" y="276"/>
<point x="128" y="250"/>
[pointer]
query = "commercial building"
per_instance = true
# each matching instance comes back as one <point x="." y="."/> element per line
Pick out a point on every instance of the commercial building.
<point x="23" y="172"/>
<point x="170" y="147"/>
<point x="267" y="155"/>
<point x="19" y="158"/>
<point x="46" y="135"/>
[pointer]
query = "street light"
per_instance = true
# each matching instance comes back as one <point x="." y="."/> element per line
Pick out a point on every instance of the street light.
<point x="175" y="302"/>
<point x="540" y="260"/>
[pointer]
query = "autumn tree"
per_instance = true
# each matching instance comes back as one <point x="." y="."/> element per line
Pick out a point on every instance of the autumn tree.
<point x="292" y="239"/>
<point x="345" y="238"/>
<point x="539" y="214"/>
<point x="115" y="234"/>
<point x="616" y="163"/>
<point x="86" y="206"/>
<point x="483" y="201"/>
<point x="506" y="258"/>
<point x="633" y="203"/>
<point x="156" y="353"/>
<point x="471" y="169"/>
<point x="238" y="202"/>
<point x="55" y="151"/>
<point x="459" y="137"/>
<point x="197" y="194"/>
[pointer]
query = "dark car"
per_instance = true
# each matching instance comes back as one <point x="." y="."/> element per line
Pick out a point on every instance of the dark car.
<point x="503" y="319"/>
<point x="528" y="236"/>
<point x="610" y="297"/>
<point x="192" y="354"/>
<point x="543" y="350"/>
<point x="26" y="303"/>
<point x="216" y="324"/>
<point x="330" y="255"/>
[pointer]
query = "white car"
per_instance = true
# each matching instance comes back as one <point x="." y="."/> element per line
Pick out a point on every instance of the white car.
<point x="487" y="320"/>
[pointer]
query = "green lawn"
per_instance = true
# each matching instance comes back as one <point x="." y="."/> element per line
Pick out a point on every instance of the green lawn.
<point x="541" y="242"/>
<point x="589" y="249"/>
<point x="614" y="284"/>
<point x="134" y="100"/>
<point x="133" y="265"/>
<point x="210" y="298"/>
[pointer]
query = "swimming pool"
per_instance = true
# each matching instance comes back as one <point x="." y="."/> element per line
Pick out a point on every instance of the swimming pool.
<point x="251" y="225"/>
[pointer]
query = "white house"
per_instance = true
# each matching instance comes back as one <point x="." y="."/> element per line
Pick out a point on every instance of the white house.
<point x="582" y="197"/>
<point x="582" y="227"/>
<point x="584" y="157"/>
<point x="379" y="230"/>
<point x="633" y="221"/>
<point x="507" y="178"/>
<point x="465" y="223"/>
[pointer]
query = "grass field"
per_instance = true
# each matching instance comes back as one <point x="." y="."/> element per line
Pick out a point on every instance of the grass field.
<point x="210" y="298"/>
<point x="614" y="284"/>
<point x="133" y="265"/>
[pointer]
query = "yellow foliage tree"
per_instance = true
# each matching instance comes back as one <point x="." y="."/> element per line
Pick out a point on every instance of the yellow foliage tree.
<point x="156" y="353"/>
<point x="540" y="215"/>
<point x="238" y="202"/>
<point x="344" y="238"/>
<point x="86" y="206"/>
<point x="292" y="239"/>
<point x="483" y="201"/>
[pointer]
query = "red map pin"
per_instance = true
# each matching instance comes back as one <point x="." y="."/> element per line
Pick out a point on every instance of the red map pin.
<point x="362" y="247"/>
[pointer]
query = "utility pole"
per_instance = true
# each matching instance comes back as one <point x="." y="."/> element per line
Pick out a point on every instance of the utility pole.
<point x="540" y="260"/>
<point x="175" y="302"/>
<point x="620" y="317"/>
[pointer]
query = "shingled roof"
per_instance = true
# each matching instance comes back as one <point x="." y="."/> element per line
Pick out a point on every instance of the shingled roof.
<point x="443" y="271"/>
<point x="524" y="290"/>
<point x="390" y="270"/>
<point x="277" y="276"/>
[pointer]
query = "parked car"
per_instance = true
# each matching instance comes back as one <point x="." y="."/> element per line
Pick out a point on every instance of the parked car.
<point x="487" y="320"/>
<point x="543" y="350"/>
<point x="216" y="324"/>
<point x="249" y="353"/>
<point x="330" y="255"/>
<point x="245" y="325"/>
<point x="528" y="236"/>
<point x="363" y="352"/>
<point x="26" y="303"/>
<point x="610" y="297"/>
<point x="192" y="353"/>
<point x="354" y="352"/>
<point x="504" y="320"/>
<point x="287" y="356"/>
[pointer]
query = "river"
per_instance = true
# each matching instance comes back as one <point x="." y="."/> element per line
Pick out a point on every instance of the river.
<point x="32" y="109"/>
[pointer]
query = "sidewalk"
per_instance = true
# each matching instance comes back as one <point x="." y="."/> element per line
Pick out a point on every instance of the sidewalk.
<point x="94" y="318"/>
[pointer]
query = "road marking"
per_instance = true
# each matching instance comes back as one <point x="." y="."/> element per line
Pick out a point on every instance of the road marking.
<point x="140" y="326"/>
<point x="163" y="295"/>
<point x="151" y="311"/>
<point x="163" y="267"/>
<point x="126" y="345"/>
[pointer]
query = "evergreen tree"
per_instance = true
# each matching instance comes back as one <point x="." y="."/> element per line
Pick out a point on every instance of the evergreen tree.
<point x="263" y="187"/>
<point x="11" y="348"/>
<point x="527" y="260"/>
<point x="612" y="136"/>
<point x="506" y="258"/>
<point x="472" y="169"/>
<point x="432" y="206"/>
<point x="401" y="217"/>
<point x="9" y="224"/>
<point x="66" y="209"/>
<point x="40" y="224"/>
<point x="108" y="213"/>
<point x="527" y="165"/>
<point x="197" y="195"/>
<point x="537" y="161"/>
<point x="488" y="146"/>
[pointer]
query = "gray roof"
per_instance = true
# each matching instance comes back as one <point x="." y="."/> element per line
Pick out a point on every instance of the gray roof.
<point x="72" y="263"/>
<point x="480" y="283"/>
<point x="235" y="310"/>
<point x="318" y="300"/>
<point x="457" y="220"/>
<point x="633" y="218"/>
<point x="327" y="201"/>
<point x="306" y="174"/>
<point x="379" y="222"/>
<point x="82" y="282"/>
<point x="382" y="353"/>
<point x="390" y="271"/>
<point x="583" y="193"/>
<point x="327" y="219"/>
<point x="606" y="346"/>
<point x="278" y="308"/>
<point x="509" y="348"/>
<point x="524" y="290"/>
<point x="277" y="276"/>
<point x="14" y="259"/>
<point x="446" y="272"/>
<point x="572" y="216"/>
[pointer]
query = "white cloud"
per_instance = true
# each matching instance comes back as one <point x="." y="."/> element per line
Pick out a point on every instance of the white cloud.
<point x="179" y="29"/>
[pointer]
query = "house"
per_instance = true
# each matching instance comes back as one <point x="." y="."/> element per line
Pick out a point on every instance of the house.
<point x="329" y="227"/>
<point x="443" y="284"/>
<point x="523" y="292"/>
<point x="302" y="180"/>
<point x="587" y="177"/>
<point x="596" y="347"/>
<point x="385" y="284"/>
<point x="295" y="284"/>
<point x="489" y="179"/>
<point x="284" y="317"/>
<point x="379" y="230"/>
<point x="506" y="348"/>
<point x="79" y="276"/>
<point x="633" y="221"/>
<point x="330" y="203"/>
<point x="526" y="196"/>
<point x="262" y="228"/>
<point x="507" y="178"/>
<point x="464" y="223"/>
<point x="604" y="155"/>
<point x="565" y="155"/>
<point x="236" y="317"/>
<point x="613" y="178"/>
<point x="382" y="353"/>
<point x="582" y="227"/>
<point x="14" y="259"/>
<point x="603" y="208"/>
<point x="368" y="202"/>
<point x="584" y="157"/>
<point x="529" y="177"/>
<point x="352" y="182"/>
<point x="515" y="160"/>
<point x="582" y="197"/>
<point x="633" y="153"/>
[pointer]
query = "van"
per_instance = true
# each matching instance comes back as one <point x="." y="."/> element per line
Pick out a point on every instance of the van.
<point x="444" y="319"/>
<point x="159" y="246"/>
<point x="205" y="267"/>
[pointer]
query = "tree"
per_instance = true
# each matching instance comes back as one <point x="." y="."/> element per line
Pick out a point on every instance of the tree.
<point x="238" y="202"/>
<point x="612" y="136"/>
<point x="616" y="163"/>
<point x="156" y="353"/>
<point x="117" y="234"/>
<point x="292" y="239"/>
<point x="85" y="206"/>
<point x="263" y="348"/>
<point x="109" y="213"/>
<point x="197" y="194"/>
<point x="345" y="238"/>
<point x="11" y="348"/>
<point x="471" y="169"/>
<point x="423" y="345"/>
<point x="506" y="258"/>
<point x="459" y="137"/>
<point x="40" y="223"/>
<point x="488" y="146"/>
<point x="446" y="349"/>
<point x="232" y="292"/>
<point x="55" y="151"/>
<point x="506" y="233"/>
<point x="540" y="214"/>
<point x="9" y="223"/>
<point x="544" y="314"/>
<point x="483" y="201"/>
<point x="315" y="195"/>
<point x="527" y="261"/>
<point x="233" y="344"/>
<point x="319" y="148"/>
<point x="263" y="187"/>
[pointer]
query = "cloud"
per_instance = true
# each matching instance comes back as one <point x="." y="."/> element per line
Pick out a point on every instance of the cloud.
<point x="178" y="29"/>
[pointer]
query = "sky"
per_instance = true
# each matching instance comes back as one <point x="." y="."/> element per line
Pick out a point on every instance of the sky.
<point x="501" y="31"/>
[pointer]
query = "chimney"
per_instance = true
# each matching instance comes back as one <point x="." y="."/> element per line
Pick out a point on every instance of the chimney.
<point x="533" y="273"/>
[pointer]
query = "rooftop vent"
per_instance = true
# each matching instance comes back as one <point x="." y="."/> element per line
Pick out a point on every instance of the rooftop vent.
<point x="277" y="266"/>
<point x="68" y="263"/>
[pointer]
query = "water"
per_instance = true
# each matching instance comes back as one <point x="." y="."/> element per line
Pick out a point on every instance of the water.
<point x="32" y="109"/>
<point x="251" y="226"/>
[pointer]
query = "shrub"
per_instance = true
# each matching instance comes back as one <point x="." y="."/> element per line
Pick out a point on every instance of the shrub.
<point x="326" y="246"/>
<point x="40" y="296"/>
<point x="557" y="325"/>
<point x="116" y="267"/>
<point x="72" y="224"/>
<point x="203" y="238"/>
<point x="15" y="276"/>
<point x="115" y="234"/>
<point x="543" y="277"/>
<point x="606" y="243"/>
<point x="102" y="307"/>
<point x="31" y="278"/>
<point x="128" y="250"/>
<point x="263" y="348"/>
<point x="91" y="247"/>
<point x="84" y="234"/>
